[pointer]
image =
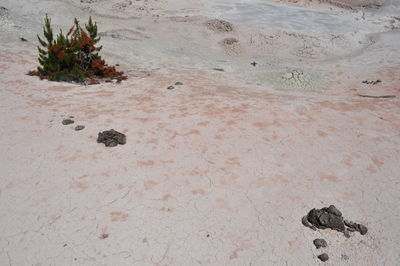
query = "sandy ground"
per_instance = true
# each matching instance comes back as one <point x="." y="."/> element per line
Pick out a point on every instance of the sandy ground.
<point x="219" y="170"/>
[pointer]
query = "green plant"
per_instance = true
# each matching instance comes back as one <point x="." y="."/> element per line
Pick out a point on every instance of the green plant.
<point x="74" y="56"/>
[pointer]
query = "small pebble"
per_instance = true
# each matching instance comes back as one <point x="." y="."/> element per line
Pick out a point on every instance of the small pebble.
<point x="320" y="243"/>
<point x="79" y="127"/>
<point x="362" y="229"/>
<point x="67" y="122"/>
<point x="178" y="83"/>
<point x="323" y="257"/>
<point x="170" y="88"/>
<point x="104" y="236"/>
<point x="23" y="39"/>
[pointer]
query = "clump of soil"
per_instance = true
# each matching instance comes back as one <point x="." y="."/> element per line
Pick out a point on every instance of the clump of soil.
<point x="111" y="138"/>
<point x="326" y="218"/>
<point x="331" y="217"/>
<point x="362" y="229"/>
<point x="218" y="25"/>
<point x="79" y="127"/>
<point x="104" y="236"/>
<point x="323" y="257"/>
<point x="320" y="243"/>
<point x="67" y="122"/>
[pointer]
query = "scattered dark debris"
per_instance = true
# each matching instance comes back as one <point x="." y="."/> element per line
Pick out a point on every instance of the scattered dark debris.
<point x="373" y="96"/>
<point x="253" y="64"/>
<point x="372" y="82"/>
<point x="23" y="39"/>
<point x="320" y="243"/>
<point x="218" y="69"/>
<point x="178" y="83"/>
<point x="104" y="236"/>
<point x="356" y="227"/>
<point x="170" y="88"/>
<point x="208" y="235"/>
<point x="323" y="257"/>
<point x="67" y="122"/>
<point x="65" y="245"/>
<point x="330" y="217"/>
<point x="79" y="127"/>
<point x="111" y="138"/>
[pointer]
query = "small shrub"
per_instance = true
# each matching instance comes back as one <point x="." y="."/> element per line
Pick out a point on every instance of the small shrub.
<point x="74" y="56"/>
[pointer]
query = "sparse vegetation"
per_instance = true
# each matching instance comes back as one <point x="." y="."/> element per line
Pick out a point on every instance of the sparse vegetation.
<point x="73" y="57"/>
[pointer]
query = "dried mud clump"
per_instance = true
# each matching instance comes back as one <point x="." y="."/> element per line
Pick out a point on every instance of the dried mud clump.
<point x="326" y="218"/>
<point x="111" y="138"/>
<point x="323" y="257"/>
<point x="218" y="25"/>
<point x="320" y="243"/>
<point x="331" y="217"/>
<point x="67" y="122"/>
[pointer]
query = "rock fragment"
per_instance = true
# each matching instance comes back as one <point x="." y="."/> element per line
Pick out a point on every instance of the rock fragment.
<point x="67" y="122"/>
<point x="178" y="83"/>
<point x="79" y="127"/>
<point x="326" y="218"/>
<point x="323" y="257"/>
<point x="352" y="226"/>
<point x="111" y="138"/>
<point x="104" y="236"/>
<point x="320" y="243"/>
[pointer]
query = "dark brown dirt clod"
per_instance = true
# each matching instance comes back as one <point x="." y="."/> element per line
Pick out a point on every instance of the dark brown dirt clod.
<point x="67" y="122"/>
<point x="320" y="243"/>
<point x="323" y="257"/>
<point x="79" y="127"/>
<point x="326" y="218"/>
<point x="111" y="138"/>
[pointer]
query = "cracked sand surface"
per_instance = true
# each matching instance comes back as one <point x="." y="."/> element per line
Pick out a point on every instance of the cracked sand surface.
<point x="219" y="170"/>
